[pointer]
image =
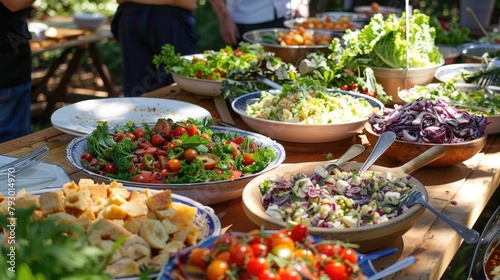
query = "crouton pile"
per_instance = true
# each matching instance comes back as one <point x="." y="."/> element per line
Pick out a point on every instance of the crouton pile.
<point x="154" y="226"/>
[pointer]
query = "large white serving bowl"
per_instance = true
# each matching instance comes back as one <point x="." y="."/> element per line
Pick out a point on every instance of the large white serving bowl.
<point x="205" y="192"/>
<point x="453" y="72"/>
<point x="369" y="238"/>
<point x="299" y="132"/>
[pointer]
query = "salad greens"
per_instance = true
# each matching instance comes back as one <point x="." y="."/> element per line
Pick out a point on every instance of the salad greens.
<point x="173" y="152"/>
<point x="449" y="34"/>
<point x="383" y="43"/>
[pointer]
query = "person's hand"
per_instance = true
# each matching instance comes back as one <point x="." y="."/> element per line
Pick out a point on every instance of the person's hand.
<point x="229" y="31"/>
<point x="302" y="11"/>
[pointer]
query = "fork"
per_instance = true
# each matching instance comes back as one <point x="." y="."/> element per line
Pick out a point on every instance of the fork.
<point x="486" y="78"/>
<point x="24" y="163"/>
<point x="411" y="197"/>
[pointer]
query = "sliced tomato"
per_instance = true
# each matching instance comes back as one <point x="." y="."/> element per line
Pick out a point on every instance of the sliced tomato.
<point x="209" y="160"/>
<point x="153" y="177"/>
<point x="152" y="150"/>
<point x="238" y="140"/>
<point x="143" y="143"/>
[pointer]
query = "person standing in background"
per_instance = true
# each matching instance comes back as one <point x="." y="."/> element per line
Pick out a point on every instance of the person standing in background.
<point x="142" y="28"/>
<point x="15" y="69"/>
<point x="239" y="16"/>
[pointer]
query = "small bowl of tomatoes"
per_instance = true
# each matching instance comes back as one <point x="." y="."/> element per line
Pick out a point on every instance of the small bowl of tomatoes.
<point x="206" y="163"/>
<point x="290" y="253"/>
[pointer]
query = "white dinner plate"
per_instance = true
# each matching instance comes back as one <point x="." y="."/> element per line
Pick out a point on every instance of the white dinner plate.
<point x="82" y="118"/>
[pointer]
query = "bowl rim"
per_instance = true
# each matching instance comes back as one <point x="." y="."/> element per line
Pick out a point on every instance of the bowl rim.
<point x="440" y="64"/>
<point x="252" y="188"/>
<point x="192" y="79"/>
<point x="244" y="115"/>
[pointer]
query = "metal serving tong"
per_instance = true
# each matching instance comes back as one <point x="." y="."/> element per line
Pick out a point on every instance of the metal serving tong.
<point x="25" y="163"/>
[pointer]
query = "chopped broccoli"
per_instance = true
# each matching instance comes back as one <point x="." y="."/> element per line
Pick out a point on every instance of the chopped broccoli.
<point x="121" y="154"/>
<point x="100" y="140"/>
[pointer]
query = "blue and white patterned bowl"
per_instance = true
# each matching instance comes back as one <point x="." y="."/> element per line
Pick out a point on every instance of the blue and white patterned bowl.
<point x="205" y="192"/>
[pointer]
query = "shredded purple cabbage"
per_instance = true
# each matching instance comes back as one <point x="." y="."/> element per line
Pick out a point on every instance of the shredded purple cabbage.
<point x="429" y="121"/>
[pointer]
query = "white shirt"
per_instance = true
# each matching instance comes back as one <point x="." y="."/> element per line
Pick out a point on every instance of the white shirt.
<point x="259" y="11"/>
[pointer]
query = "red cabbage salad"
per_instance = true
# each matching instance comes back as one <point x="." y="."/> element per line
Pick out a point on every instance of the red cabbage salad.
<point x="429" y="121"/>
<point x="335" y="198"/>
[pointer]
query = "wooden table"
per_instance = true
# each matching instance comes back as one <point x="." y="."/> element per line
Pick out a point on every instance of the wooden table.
<point x="431" y="241"/>
<point x="73" y="45"/>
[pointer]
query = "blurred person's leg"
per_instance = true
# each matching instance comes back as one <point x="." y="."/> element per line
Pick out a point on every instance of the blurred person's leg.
<point x="15" y="108"/>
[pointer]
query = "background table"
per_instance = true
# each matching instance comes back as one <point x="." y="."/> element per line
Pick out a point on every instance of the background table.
<point x="431" y="241"/>
<point x="74" y="46"/>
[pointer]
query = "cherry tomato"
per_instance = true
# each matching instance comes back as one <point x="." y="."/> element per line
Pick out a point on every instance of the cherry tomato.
<point x="238" y="140"/>
<point x="192" y="130"/>
<point x="248" y="159"/>
<point x="259" y="250"/>
<point x="336" y="270"/>
<point x="199" y="257"/>
<point x="158" y="140"/>
<point x="345" y="87"/>
<point x="208" y="159"/>
<point x="205" y="136"/>
<point x="328" y="249"/>
<point x="240" y="253"/>
<point x="139" y="178"/>
<point x="179" y="131"/>
<point x="190" y="154"/>
<point x="224" y="256"/>
<point x="299" y="233"/>
<point x="371" y="94"/>
<point x="281" y="238"/>
<point x="87" y="156"/>
<point x="256" y="266"/>
<point x="139" y="132"/>
<point x="110" y="168"/>
<point x="288" y="274"/>
<point x="174" y="164"/>
<point x="119" y="137"/>
<point x="216" y="270"/>
<point x="130" y="136"/>
<point x="268" y="275"/>
<point x="354" y="87"/>
<point x="282" y="251"/>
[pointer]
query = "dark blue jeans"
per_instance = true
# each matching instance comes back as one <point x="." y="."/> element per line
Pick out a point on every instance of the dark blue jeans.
<point x="15" y="111"/>
<point x="142" y="31"/>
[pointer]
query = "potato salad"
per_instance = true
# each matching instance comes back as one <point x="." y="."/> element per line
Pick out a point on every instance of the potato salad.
<point x="310" y="107"/>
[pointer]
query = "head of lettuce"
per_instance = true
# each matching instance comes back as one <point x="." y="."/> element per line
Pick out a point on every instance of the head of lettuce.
<point x="384" y="42"/>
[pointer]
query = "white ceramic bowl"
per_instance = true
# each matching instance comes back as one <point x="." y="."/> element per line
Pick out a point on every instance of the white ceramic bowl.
<point x="449" y="53"/>
<point x="198" y="86"/>
<point x="451" y="72"/>
<point x="395" y="79"/>
<point x="302" y="133"/>
<point x="90" y="21"/>
<point x="206" y="192"/>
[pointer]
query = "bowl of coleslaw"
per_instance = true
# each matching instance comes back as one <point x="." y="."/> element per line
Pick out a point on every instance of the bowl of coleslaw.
<point x="335" y="204"/>
<point x="288" y="115"/>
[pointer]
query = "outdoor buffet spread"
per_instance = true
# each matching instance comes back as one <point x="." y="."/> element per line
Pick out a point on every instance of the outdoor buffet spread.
<point x="241" y="162"/>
